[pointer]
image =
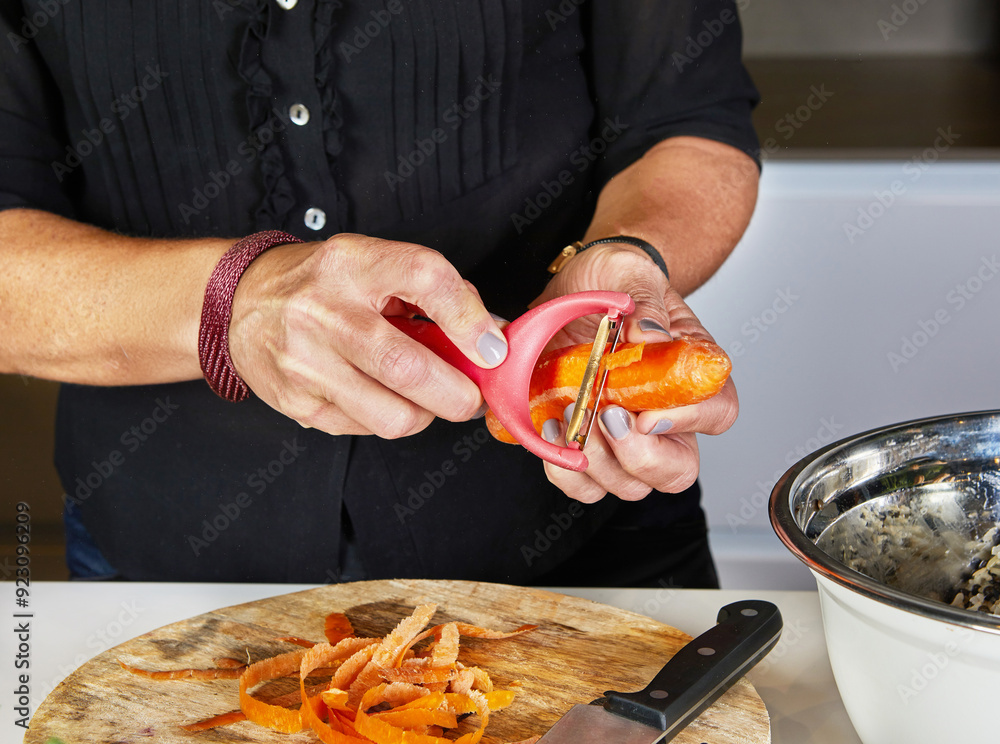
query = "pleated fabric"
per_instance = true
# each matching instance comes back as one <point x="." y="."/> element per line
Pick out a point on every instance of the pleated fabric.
<point x="192" y="142"/>
<point x="481" y="128"/>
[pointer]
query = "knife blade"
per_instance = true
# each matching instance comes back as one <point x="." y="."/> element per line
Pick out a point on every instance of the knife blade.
<point x="693" y="679"/>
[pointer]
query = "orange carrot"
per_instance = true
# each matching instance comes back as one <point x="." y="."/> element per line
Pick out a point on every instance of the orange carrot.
<point x="670" y="374"/>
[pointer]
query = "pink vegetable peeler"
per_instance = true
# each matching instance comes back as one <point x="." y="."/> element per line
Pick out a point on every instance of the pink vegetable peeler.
<point x="506" y="388"/>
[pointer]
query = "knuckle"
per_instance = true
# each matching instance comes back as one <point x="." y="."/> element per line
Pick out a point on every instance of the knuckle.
<point x="431" y="272"/>
<point x="634" y="490"/>
<point x="586" y="491"/>
<point x="335" y="256"/>
<point x="436" y="283"/>
<point x="400" y="365"/>
<point x="683" y="479"/>
<point x="646" y="466"/>
<point x="401" y="421"/>
<point x="726" y="419"/>
<point x="716" y="416"/>
<point x="470" y="405"/>
<point x="306" y="410"/>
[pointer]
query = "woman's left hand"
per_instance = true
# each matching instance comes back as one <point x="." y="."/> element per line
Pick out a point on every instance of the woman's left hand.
<point x="632" y="454"/>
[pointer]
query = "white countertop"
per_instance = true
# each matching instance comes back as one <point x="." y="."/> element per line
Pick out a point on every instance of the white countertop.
<point x="72" y="622"/>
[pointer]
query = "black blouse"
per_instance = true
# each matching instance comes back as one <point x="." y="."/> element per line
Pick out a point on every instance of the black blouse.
<point x="482" y="128"/>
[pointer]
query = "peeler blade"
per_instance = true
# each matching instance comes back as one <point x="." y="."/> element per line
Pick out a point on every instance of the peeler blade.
<point x="591" y="388"/>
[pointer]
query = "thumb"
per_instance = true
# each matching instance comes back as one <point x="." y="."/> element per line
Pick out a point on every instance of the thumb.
<point x="650" y="321"/>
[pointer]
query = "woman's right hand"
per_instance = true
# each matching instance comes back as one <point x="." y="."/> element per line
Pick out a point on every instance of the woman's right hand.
<point x="309" y="336"/>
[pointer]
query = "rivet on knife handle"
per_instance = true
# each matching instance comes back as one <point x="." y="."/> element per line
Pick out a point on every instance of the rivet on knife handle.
<point x="704" y="669"/>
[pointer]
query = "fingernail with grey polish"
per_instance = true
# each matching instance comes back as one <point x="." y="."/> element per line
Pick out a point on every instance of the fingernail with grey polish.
<point x="617" y="421"/>
<point x="648" y="324"/>
<point x="498" y="319"/>
<point x="550" y="431"/>
<point x="491" y="349"/>
<point x="663" y="425"/>
<point x="568" y="413"/>
<point x="482" y="410"/>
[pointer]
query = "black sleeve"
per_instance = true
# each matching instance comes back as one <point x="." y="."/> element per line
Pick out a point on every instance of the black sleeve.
<point x="32" y="131"/>
<point x="668" y="68"/>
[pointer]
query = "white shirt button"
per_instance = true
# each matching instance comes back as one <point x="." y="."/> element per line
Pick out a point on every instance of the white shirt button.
<point x="288" y="4"/>
<point x="315" y="218"/>
<point x="299" y="114"/>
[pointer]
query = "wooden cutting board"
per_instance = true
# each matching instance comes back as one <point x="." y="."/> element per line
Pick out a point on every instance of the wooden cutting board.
<point x="581" y="649"/>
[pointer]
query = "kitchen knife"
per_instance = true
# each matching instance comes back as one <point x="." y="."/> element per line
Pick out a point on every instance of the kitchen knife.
<point x="692" y="680"/>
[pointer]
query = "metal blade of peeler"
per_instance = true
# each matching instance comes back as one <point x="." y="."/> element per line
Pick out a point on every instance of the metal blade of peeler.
<point x="590" y="382"/>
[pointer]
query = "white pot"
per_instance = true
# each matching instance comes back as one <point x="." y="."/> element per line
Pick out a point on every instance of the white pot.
<point x="910" y="669"/>
<point x="907" y="678"/>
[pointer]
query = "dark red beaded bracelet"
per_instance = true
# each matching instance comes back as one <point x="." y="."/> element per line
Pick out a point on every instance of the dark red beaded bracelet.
<point x="217" y="312"/>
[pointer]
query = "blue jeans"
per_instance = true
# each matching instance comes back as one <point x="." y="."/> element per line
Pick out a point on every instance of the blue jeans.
<point x="83" y="558"/>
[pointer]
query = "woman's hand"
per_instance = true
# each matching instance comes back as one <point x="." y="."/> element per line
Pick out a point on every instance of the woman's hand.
<point x="309" y="335"/>
<point x="630" y="454"/>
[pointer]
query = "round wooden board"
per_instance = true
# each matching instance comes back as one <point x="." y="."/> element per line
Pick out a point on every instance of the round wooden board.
<point x="581" y="649"/>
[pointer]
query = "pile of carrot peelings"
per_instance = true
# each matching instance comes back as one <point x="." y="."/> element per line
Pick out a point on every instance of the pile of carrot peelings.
<point x="389" y="690"/>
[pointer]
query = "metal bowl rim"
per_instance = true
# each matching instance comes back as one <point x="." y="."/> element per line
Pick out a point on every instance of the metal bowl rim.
<point x="788" y="531"/>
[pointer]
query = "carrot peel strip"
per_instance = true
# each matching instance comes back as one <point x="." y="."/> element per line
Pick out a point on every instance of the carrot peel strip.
<point x="498" y="699"/>
<point x="390" y="650"/>
<point x="623" y="357"/>
<point x="418" y="676"/>
<point x="419" y="698"/>
<point x="273" y="717"/>
<point x="337" y="627"/>
<point x="233" y="716"/>
<point x="217" y="673"/>
<point x="415" y="718"/>
<point x="318" y="655"/>
<point x="382" y="732"/>
<point x="297" y="641"/>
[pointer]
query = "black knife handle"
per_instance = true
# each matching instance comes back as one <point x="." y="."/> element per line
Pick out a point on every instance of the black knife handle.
<point x="703" y="669"/>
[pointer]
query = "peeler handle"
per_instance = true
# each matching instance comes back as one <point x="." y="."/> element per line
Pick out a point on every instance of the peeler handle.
<point x="506" y="388"/>
<point x="430" y="335"/>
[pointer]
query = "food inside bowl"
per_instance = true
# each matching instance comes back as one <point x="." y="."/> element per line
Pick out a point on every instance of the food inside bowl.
<point x="981" y="591"/>
<point x="938" y="540"/>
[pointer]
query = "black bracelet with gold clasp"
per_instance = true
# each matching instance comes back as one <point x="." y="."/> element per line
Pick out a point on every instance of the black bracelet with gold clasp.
<point x="571" y="250"/>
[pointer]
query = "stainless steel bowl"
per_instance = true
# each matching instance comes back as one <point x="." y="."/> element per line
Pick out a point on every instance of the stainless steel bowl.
<point x="890" y="522"/>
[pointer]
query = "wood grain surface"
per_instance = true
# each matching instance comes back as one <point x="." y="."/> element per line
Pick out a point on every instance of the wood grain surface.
<point x="580" y="650"/>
